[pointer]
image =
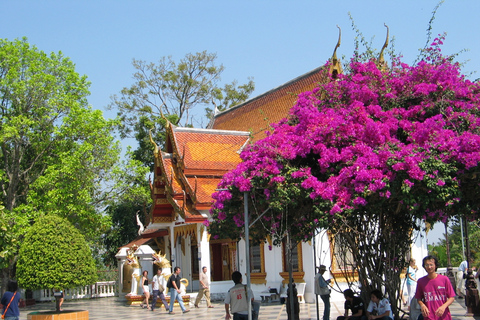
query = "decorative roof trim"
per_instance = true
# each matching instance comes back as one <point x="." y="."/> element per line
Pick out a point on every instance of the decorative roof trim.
<point x="211" y="131"/>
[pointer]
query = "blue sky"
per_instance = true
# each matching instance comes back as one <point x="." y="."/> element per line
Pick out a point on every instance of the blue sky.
<point x="272" y="41"/>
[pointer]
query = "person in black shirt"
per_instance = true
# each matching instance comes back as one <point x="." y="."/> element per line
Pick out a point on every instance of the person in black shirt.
<point x="174" y="287"/>
<point x="355" y="304"/>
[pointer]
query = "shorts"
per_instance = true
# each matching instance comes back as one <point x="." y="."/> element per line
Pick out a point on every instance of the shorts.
<point x="145" y="289"/>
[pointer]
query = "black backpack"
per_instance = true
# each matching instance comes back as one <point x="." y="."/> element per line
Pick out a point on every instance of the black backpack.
<point x="169" y="282"/>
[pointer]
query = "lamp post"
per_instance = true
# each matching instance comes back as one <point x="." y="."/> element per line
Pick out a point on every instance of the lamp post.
<point x="315" y="268"/>
<point x="450" y="274"/>
<point x="247" y="252"/>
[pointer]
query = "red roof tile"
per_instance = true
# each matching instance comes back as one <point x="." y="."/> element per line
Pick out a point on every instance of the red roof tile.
<point x="257" y="114"/>
<point x="208" y="150"/>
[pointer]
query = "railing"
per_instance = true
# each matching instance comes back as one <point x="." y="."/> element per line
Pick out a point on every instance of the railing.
<point x="444" y="270"/>
<point x="97" y="290"/>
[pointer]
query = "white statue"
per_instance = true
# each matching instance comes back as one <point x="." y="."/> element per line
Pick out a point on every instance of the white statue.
<point x="132" y="260"/>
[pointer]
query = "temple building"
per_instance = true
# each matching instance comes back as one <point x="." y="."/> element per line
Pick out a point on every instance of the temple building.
<point x="188" y="171"/>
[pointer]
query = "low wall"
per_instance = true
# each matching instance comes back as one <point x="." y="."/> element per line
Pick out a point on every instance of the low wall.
<point x="97" y="290"/>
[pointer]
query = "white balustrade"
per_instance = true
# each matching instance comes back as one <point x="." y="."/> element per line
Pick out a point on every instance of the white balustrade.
<point x="97" y="290"/>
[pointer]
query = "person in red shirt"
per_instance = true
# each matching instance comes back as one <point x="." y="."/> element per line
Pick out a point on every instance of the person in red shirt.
<point x="434" y="292"/>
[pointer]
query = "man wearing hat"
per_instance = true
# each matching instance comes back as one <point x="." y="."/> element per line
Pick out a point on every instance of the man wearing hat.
<point x="322" y="289"/>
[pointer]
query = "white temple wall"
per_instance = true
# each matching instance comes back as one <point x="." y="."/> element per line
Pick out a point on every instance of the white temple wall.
<point x="420" y="249"/>
<point x="272" y="259"/>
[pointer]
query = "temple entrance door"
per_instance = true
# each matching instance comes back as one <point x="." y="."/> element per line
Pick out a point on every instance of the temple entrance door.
<point x="223" y="260"/>
<point x="226" y="273"/>
<point x="216" y="258"/>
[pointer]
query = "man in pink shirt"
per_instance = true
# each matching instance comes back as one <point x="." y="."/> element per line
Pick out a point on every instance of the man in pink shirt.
<point x="434" y="292"/>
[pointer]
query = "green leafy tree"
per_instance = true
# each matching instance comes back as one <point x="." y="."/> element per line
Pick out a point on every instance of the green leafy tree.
<point x="54" y="255"/>
<point x="457" y="244"/>
<point x="124" y="227"/>
<point x="10" y="227"/>
<point x="172" y="90"/>
<point x="57" y="155"/>
<point x="134" y="197"/>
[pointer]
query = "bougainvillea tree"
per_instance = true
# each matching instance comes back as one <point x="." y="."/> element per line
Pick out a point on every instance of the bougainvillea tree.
<point x="365" y="156"/>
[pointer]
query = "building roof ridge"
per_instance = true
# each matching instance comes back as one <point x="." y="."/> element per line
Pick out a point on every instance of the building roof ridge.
<point x="210" y="131"/>
<point x="305" y="75"/>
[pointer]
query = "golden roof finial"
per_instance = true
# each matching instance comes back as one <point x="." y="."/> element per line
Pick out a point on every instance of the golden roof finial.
<point x="167" y="122"/>
<point x="155" y="151"/>
<point x="336" y="66"/>
<point x="381" y="59"/>
<point x="334" y="56"/>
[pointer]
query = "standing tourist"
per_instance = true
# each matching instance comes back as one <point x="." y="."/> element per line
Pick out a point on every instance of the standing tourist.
<point x="174" y="287"/>
<point x="158" y="290"/>
<point x="322" y="289"/>
<point x="59" y="298"/>
<point x="461" y="276"/>
<point x="434" y="292"/>
<point x="411" y="280"/>
<point x="236" y="300"/>
<point x="204" y="288"/>
<point x="10" y="301"/>
<point x="146" y="290"/>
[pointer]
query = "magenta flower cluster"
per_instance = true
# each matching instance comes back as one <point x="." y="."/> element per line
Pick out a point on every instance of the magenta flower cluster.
<point x="405" y="133"/>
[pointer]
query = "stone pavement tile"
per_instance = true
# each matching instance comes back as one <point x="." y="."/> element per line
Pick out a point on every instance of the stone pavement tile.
<point x="115" y="308"/>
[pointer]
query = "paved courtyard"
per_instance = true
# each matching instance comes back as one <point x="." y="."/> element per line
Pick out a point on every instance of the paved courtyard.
<point x="115" y="308"/>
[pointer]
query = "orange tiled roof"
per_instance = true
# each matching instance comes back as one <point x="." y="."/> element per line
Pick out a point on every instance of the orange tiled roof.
<point x="201" y="190"/>
<point x="153" y="233"/>
<point x="146" y="236"/>
<point x="185" y="210"/>
<point x="206" y="151"/>
<point x="138" y="241"/>
<point x="203" y="157"/>
<point x="171" y="177"/>
<point x="256" y="115"/>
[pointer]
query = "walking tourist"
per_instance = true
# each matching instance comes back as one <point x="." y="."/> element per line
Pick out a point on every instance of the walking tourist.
<point x="204" y="288"/>
<point x="146" y="290"/>
<point x="461" y="276"/>
<point x="174" y="288"/>
<point x="10" y="301"/>
<point x="158" y="290"/>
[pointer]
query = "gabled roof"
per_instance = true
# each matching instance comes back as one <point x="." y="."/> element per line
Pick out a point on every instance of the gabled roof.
<point x="206" y="151"/>
<point x="170" y="174"/>
<point x="256" y="115"/>
<point x="188" y="176"/>
<point x="202" y="157"/>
